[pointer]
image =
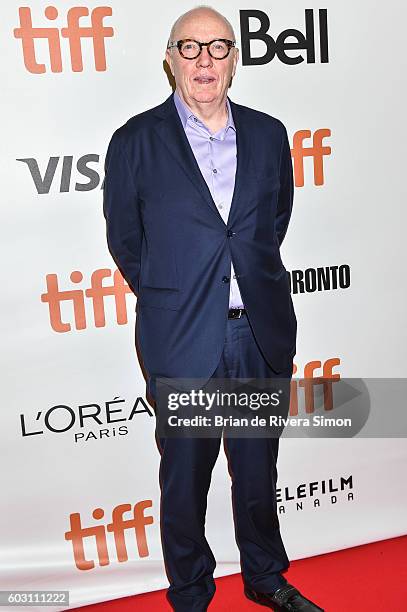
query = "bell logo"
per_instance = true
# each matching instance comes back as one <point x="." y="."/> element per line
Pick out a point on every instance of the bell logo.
<point x="73" y="32"/>
<point x="284" y="42"/>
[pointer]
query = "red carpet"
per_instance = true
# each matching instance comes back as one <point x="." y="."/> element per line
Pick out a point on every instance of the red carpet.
<point x="367" y="578"/>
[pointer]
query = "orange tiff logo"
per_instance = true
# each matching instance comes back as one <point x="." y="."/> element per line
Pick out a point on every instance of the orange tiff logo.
<point x="96" y="292"/>
<point x="309" y="382"/>
<point x="317" y="151"/>
<point x="137" y="523"/>
<point x="73" y="32"/>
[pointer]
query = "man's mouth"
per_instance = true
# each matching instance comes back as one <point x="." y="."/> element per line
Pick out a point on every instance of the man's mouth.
<point x="203" y="80"/>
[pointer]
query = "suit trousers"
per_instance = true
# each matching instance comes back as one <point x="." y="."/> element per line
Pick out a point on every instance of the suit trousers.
<point x="185" y="474"/>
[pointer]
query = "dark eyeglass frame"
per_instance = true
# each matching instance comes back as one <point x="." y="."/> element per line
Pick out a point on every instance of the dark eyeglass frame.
<point x="178" y="44"/>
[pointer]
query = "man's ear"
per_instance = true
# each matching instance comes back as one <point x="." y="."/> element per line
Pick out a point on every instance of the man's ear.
<point x="235" y="60"/>
<point x="168" y="59"/>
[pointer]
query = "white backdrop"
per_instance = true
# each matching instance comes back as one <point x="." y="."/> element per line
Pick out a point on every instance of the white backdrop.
<point x="55" y="467"/>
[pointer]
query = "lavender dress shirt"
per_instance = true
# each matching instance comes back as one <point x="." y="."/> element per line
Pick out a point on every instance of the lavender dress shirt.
<point x="216" y="157"/>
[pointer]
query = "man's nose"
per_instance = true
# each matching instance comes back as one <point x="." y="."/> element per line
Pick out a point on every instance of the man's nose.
<point x="204" y="59"/>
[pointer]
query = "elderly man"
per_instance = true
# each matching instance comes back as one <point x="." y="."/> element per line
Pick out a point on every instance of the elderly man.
<point x="197" y="198"/>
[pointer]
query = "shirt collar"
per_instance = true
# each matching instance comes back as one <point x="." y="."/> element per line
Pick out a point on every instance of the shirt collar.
<point x="185" y="112"/>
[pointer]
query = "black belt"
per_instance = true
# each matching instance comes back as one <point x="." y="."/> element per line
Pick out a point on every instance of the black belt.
<point x="236" y="313"/>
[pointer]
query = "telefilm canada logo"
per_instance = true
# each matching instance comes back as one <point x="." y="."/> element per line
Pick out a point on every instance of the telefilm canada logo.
<point x="315" y="494"/>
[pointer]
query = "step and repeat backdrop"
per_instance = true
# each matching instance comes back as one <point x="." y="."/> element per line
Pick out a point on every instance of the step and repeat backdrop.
<point x="79" y="477"/>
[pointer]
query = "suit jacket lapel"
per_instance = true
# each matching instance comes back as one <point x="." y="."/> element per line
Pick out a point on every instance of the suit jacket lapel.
<point x="172" y="133"/>
<point x="243" y="146"/>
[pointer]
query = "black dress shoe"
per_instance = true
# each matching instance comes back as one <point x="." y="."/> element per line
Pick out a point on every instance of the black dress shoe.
<point x="286" y="598"/>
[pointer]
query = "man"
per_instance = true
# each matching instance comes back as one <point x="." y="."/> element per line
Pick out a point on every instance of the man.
<point x="197" y="198"/>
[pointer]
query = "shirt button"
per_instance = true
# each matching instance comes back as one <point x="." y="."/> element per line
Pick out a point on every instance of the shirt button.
<point x="225" y="279"/>
<point x="211" y="138"/>
<point x="195" y="119"/>
<point x="214" y="171"/>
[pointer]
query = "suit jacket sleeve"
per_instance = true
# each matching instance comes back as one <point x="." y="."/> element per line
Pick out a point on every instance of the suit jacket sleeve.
<point x="121" y="210"/>
<point x="286" y="193"/>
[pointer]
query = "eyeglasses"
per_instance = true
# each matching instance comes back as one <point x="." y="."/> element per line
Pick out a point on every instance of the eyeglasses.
<point x="191" y="49"/>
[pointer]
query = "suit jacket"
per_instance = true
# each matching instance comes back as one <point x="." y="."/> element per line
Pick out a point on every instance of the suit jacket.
<point x="172" y="246"/>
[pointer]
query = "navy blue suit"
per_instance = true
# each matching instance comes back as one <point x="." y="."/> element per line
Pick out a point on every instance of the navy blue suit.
<point x="174" y="249"/>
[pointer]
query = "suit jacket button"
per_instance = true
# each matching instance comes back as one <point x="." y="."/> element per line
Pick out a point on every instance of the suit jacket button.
<point x="225" y="279"/>
<point x="230" y="233"/>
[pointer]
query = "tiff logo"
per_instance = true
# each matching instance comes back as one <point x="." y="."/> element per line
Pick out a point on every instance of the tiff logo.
<point x="96" y="292"/>
<point x="118" y="526"/>
<point x="317" y="151"/>
<point x="73" y="32"/>
<point x="309" y="381"/>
